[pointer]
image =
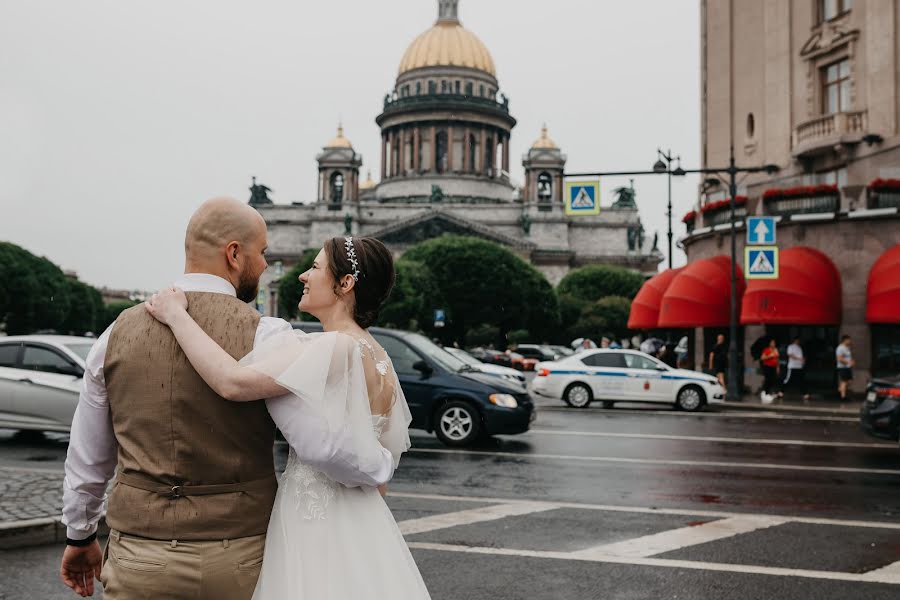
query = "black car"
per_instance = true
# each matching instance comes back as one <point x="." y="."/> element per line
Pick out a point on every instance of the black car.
<point x="880" y="413"/>
<point x="537" y="351"/>
<point x="491" y="357"/>
<point x="445" y="395"/>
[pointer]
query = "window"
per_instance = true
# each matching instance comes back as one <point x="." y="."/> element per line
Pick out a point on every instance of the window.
<point x="829" y="9"/>
<point x="836" y="87"/>
<point x="481" y="91"/>
<point x="418" y="88"/>
<point x="605" y="359"/>
<point x="885" y="350"/>
<point x="440" y="163"/>
<point x="400" y="354"/>
<point x="468" y="88"/>
<point x="443" y="87"/>
<point x="432" y="87"/>
<point x="544" y="187"/>
<point x="8" y="354"/>
<point x="337" y="188"/>
<point x="457" y="87"/>
<point x="836" y="177"/>
<point x="42" y="359"/>
<point x="636" y="361"/>
<point x="751" y="125"/>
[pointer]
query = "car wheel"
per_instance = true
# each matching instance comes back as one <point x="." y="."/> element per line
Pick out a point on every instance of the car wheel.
<point x="608" y="404"/>
<point x="690" y="398"/>
<point x="457" y="423"/>
<point x="578" y="395"/>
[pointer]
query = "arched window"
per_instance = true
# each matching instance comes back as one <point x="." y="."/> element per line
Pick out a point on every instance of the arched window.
<point x="418" y="88"/>
<point x="473" y="153"/>
<point x="432" y="87"/>
<point x="481" y="90"/>
<point x="491" y="152"/>
<point x="468" y="88"/>
<point x="337" y="187"/>
<point x="544" y="187"/>
<point x="440" y="155"/>
<point x="443" y="87"/>
<point x="457" y="86"/>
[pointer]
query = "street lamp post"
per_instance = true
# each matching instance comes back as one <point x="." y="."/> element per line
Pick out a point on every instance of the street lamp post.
<point x="666" y="167"/>
<point x="732" y="170"/>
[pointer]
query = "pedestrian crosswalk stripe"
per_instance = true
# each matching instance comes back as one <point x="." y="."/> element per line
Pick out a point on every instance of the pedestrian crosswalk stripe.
<point x="473" y="515"/>
<point x="722" y="440"/>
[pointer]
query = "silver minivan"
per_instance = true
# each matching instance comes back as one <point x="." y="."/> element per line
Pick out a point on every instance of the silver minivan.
<point x="40" y="380"/>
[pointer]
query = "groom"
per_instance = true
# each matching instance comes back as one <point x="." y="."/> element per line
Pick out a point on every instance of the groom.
<point x="195" y="479"/>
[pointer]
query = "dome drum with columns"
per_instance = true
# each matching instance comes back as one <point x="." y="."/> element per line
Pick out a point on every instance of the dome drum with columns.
<point x="445" y="161"/>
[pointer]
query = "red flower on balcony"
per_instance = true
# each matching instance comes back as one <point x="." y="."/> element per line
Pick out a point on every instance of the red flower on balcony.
<point x="720" y="204"/>
<point x="803" y="191"/>
<point x="689" y="217"/>
<point x="885" y="185"/>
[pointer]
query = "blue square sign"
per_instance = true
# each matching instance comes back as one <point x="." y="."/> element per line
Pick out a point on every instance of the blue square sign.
<point x="761" y="262"/>
<point x="761" y="230"/>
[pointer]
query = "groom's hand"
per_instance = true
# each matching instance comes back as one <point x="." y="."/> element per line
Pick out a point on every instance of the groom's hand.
<point x="80" y="566"/>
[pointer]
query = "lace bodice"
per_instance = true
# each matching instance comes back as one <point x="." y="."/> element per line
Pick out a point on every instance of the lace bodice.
<point x="312" y="489"/>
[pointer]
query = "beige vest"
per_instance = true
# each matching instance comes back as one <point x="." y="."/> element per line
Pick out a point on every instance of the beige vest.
<point x="192" y="466"/>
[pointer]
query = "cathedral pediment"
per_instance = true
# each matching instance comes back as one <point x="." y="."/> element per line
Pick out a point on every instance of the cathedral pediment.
<point x="435" y="223"/>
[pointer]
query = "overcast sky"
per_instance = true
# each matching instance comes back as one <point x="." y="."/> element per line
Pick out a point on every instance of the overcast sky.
<point x="118" y="118"/>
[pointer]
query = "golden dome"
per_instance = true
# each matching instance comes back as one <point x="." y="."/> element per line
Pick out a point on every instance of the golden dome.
<point x="339" y="141"/>
<point x="447" y="44"/>
<point x="544" y="142"/>
<point x="369" y="183"/>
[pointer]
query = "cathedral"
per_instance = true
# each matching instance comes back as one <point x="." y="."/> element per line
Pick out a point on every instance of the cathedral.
<point x="445" y="140"/>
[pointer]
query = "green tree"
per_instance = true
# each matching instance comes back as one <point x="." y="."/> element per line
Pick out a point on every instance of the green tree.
<point x="593" y="282"/>
<point x="484" y="283"/>
<point x="35" y="292"/>
<point x="413" y="300"/>
<point x="83" y="308"/>
<point x="112" y="311"/>
<point x="614" y="310"/>
<point x="290" y="290"/>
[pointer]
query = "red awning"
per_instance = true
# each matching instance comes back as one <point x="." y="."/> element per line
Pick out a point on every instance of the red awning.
<point x="645" y="306"/>
<point x="700" y="295"/>
<point x="883" y="291"/>
<point x="807" y="292"/>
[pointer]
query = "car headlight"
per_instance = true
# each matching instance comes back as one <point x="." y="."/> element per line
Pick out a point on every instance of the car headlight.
<point x="504" y="400"/>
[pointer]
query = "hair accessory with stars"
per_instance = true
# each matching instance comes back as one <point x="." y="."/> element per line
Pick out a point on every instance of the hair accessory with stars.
<point x="351" y="256"/>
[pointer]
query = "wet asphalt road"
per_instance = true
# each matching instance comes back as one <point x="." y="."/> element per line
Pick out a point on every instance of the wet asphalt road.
<point x="625" y="504"/>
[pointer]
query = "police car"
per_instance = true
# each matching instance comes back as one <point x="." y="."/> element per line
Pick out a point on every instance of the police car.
<point x="623" y="376"/>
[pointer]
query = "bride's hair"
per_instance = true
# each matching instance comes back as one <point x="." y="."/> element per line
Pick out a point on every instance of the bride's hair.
<point x="375" y="279"/>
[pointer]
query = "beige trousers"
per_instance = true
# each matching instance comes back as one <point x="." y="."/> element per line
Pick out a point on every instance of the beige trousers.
<point x="136" y="568"/>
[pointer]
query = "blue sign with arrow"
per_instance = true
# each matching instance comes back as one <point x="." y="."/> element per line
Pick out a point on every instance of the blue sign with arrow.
<point x="761" y="231"/>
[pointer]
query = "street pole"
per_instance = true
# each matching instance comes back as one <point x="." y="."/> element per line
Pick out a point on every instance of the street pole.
<point x="733" y="388"/>
<point x="669" y="212"/>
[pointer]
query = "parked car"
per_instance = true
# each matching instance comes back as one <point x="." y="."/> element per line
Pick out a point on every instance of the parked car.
<point x="537" y="352"/>
<point x="447" y="396"/>
<point x="491" y="356"/>
<point x="496" y="370"/>
<point x="521" y="362"/>
<point x="880" y="413"/>
<point x="561" y="351"/>
<point x="40" y="380"/>
<point x="624" y="376"/>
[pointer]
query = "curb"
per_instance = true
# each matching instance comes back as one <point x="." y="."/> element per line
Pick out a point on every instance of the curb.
<point x="37" y="532"/>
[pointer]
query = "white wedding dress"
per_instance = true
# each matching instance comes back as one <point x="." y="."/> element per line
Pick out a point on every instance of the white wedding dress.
<point x="326" y="541"/>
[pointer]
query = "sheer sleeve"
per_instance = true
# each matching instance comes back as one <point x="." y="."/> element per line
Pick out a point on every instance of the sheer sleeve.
<point x="327" y="379"/>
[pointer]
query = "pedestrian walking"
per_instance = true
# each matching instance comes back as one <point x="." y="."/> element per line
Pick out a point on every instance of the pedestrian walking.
<point x="769" y="359"/>
<point x="681" y="353"/>
<point x="795" y="378"/>
<point x="845" y="363"/>
<point x="718" y="359"/>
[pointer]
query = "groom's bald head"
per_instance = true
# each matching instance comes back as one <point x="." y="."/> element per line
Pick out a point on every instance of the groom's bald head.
<point x="226" y="237"/>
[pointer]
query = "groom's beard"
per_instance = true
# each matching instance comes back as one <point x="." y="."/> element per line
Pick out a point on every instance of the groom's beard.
<point x="247" y="288"/>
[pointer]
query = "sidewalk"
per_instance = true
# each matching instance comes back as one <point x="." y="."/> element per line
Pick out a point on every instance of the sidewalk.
<point x="30" y="507"/>
<point x="796" y="404"/>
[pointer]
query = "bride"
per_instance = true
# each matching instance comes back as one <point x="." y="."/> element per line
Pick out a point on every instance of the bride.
<point x="325" y="541"/>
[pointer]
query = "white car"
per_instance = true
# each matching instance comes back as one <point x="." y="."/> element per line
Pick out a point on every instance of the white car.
<point x="496" y="370"/>
<point x="40" y="380"/>
<point x="623" y="376"/>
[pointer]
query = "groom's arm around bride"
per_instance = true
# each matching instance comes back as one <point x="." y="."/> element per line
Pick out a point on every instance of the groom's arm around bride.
<point x="195" y="476"/>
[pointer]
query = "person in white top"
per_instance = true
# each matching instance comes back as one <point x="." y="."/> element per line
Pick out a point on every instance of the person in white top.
<point x="225" y="254"/>
<point x="795" y="378"/>
<point x="325" y="541"/>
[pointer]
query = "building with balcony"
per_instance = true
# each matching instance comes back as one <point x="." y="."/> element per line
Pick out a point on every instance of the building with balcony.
<point x="812" y="86"/>
<point x="445" y="159"/>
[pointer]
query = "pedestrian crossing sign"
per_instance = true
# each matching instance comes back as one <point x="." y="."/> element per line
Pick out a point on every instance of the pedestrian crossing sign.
<point x="582" y="197"/>
<point x="761" y="262"/>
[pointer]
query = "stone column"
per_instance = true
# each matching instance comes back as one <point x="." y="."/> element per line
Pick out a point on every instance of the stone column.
<point x="483" y="165"/>
<point x="401" y="161"/>
<point x="450" y="145"/>
<point x="383" y="156"/>
<point x="466" y="167"/>
<point x="432" y="168"/>
<point x="394" y="150"/>
<point x="506" y="153"/>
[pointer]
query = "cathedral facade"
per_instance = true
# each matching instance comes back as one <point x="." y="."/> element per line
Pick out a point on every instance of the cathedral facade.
<point x="445" y="158"/>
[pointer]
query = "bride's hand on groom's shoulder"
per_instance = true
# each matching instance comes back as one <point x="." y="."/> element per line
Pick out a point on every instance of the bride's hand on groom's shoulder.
<point x="166" y="304"/>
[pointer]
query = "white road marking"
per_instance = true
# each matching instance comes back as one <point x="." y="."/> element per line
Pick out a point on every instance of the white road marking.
<point x="698" y="415"/>
<point x="653" y="510"/>
<point x="675" y="539"/>
<point x="871" y="577"/>
<point x="726" y="440"/>
<point x="655" y="461"/>
<point x="470" y="516"/>
<point x="889" y="571"/>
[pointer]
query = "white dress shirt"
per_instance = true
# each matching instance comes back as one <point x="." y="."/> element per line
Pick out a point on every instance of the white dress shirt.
<point x="92" y="455"/>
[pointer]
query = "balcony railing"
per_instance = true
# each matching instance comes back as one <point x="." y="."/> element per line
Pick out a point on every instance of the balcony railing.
<point x="723" y="215"/>
<point x="822" y="133"/>
<point x="393" y="104"/>
<point x="808" y="205"/>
